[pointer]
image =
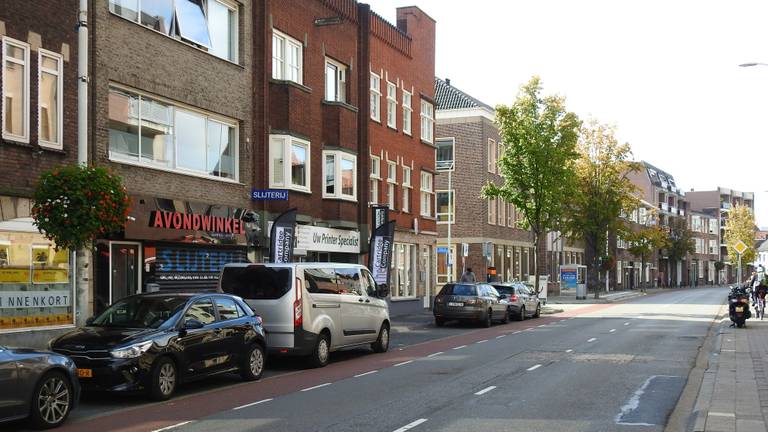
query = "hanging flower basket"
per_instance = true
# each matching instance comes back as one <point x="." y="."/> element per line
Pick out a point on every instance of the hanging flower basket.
<point x="74" y="205"/>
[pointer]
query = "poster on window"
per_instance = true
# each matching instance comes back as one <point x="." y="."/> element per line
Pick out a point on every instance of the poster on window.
<point x="282" y="237"/>
<point x="380" y="256"/>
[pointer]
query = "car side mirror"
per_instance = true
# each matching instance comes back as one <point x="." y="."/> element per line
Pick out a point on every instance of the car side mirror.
<point x="382" y="291"/>
<point x="192" y="324"/>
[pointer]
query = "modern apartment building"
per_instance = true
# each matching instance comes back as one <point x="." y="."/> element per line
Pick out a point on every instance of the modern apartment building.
<point x="38" y="89"/>
<point x="706" y="231"/>
<point x="717" y="203"/>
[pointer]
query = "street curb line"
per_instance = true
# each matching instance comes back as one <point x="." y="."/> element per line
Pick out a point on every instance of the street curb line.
<point x="683" y="417"/>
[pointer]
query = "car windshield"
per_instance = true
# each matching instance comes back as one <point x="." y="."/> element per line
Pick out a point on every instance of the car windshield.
<point x="459" y="290"/>
<point x="142" y="312"/>
<point x="504" y="289"/>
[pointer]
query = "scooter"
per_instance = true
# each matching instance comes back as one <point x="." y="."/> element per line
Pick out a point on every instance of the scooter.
<point x="738" y="306"/>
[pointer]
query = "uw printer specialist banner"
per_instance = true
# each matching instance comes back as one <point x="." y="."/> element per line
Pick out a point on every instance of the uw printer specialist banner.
<point x="380" y="253"/>
<point x="282" y="237"/>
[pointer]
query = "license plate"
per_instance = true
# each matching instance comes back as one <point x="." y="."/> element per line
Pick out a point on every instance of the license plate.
<point x="455" y="304"/>
<point x="85" y="373"/>
<point x="739" y="309"/>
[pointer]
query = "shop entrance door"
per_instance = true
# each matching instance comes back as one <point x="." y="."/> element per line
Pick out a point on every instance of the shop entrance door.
<point x="125" y="270"/>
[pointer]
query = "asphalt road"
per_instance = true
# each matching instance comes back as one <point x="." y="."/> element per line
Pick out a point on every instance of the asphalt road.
<point x="606" y="367"/>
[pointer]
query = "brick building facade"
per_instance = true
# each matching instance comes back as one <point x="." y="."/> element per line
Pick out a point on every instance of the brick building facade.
<point x="38" y="89"/>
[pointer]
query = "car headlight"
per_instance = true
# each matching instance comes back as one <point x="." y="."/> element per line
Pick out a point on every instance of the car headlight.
<point x="131" y="351"/>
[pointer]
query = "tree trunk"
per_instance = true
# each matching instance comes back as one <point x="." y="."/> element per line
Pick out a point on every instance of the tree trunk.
<point x="642" y="273"/>
<point x="593" y="268"/>
<point x="537" y="260"/>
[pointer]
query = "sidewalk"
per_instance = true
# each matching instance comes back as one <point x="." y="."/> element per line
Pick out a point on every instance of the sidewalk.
<point x="734" y="391"/>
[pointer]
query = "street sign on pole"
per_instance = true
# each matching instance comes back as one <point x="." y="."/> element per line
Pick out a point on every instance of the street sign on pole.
<point x="740" y="247"/>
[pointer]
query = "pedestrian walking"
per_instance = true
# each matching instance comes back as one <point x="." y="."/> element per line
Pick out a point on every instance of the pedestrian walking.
<point x="468" y="276"/>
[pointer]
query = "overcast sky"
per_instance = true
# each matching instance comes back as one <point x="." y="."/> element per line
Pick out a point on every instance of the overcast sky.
<point x="666" y="73"/>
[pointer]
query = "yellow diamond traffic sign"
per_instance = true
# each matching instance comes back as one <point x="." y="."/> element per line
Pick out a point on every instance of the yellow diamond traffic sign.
<point x="740" y="247"/>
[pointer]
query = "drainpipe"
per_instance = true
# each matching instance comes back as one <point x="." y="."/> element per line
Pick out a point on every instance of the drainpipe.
<point x="83" y="257"/>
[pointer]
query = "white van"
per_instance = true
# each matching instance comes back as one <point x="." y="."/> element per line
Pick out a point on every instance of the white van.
<point x="312" y="309"/>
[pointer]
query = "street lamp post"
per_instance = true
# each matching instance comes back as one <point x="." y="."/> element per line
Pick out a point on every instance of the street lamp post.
<point x="753" y="64"/>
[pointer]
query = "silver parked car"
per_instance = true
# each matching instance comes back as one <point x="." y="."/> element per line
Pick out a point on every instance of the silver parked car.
<point x="478" y="302"/>
<point x="521" y="301"/>
<point x="38" y="385"/>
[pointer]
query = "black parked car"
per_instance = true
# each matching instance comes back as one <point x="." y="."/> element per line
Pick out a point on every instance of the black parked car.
<point x="38" y="385"/>
<point x="151" y="342"/>
<point x="477" y="302"/>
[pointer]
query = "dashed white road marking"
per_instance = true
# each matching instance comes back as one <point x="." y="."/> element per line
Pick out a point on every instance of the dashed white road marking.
<point x="517" y="332"/>
<point x="569" y="350"/>
<point x="626" y="323"/>
<point x="403" y="363"/>
<point x="482" y="341"/>
<point x="434" y="354"/>
<point x="529" y="328"/>
<point x="365" y="373"/>
<point x="411" y="425"/>
<point x="611" y="330"/>
<point x="459" y="347"/>
<point x="485" y="390"/>
<point x="251" y="404"/>
<point x="543" y="325"/>
<point x="533" y="368"/>
<point x="592" y="339"/>
<point x="172" y="426"/>
<point x="501" y="336"/>
<point x="315" y="387"/>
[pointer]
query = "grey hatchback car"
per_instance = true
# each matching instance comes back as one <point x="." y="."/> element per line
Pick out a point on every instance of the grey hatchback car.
<point x="522" y="303"/>
<point x="477" y="302"/>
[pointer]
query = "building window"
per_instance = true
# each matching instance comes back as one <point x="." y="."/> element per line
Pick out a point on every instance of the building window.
<point x="406" y="189"/>
<point x="502" y="212"/>
<point x="426" y="193"/>
<point x="510" y="215"/>
<point x="50" y="105"/>
<point x="491" y="156"/>
<point x="293" y="175"/>
<point x="210" y="25"/>
<point x="407" y="112"/>
<point x="339" y="175"/>
<point x="446" y="206"/>
<point x="427" y="121"/>
<point x="375" y="97"/>
<point x="713" y="249"/>
<point x="335" y="81"/>
<point x="375" y="178"/>
<point x="444" y="154"/>
<point x="155" y="133"/>
<point x="15" y="90"/>
<point x="391" y="105"/>
<point x="492" y="211"/>
<point x="391" y="183"/>
<point x="287" y="57"/>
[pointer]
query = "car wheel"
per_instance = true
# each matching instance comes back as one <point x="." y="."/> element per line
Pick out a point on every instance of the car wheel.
<point x="253" y="363"/>
<point x="521" y="314"/>
<point x="164" y="379"/>
<point x="51" y="401"/>
<point x="488" y="319"/>
<point x="382" y="343"/>
<point x="322" y="352"/>
<point x="439" y="322"/>
<point x="538" y="311"/>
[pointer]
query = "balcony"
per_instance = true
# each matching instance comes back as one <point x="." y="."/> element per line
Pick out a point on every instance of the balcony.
<point x="664" y="207"/>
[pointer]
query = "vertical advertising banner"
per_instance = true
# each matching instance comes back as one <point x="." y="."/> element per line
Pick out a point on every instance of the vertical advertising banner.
<point x="380" y="255"/>
<point x="282" y="237"/>
<point x="380" y="215"/>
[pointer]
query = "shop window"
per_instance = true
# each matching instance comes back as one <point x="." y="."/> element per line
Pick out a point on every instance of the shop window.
<point x="403" y="271"/>
<point x="293" y="175"/>
<point x="287" y="58"/>
<point x="15" y="91"/>
<point x="158" y="134"/>
<point x="339" y="175"/>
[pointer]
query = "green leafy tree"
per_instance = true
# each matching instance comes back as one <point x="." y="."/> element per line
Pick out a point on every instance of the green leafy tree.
<point x="643" y="242"/>
<point x="680" y="242"/>
<point x="740" y="226"/>
<point x="537" y="165"/>
<point x="602" y="193"/>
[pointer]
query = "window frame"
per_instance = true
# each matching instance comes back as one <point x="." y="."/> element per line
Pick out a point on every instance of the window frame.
<point x="339" y="157"/>
<point x="492" y="151"/>
<point x="501" y="212"/>
<point x="25" y="47"/>
<point x="117" y="157"/>
<point x="407" y="186"/>
<point x="451" y="214"/>
<point x="287" y="42"/>
<point x="391" y="105"/>
<point x="375" y="179"/>
<point x="375" y="92"/>
<point x="407" y="112"/>
<point x="391" y="185"/>
<point x="59" y="144"/>
<point x="287" y="145"/>
<point x="442" y="166"/>
<point x="426" y="194"/>
<point x="340" y="80"/>
<point x="429" y="119"/>
<point x="491" y="211"/>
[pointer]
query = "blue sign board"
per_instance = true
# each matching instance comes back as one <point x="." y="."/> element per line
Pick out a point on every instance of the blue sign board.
<point x="569" y="278"/>
<point x="269" y="195"/>
<point x="442" y="250"/>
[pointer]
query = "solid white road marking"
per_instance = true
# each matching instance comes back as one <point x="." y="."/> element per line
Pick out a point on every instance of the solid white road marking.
<point x="411" y="425"/>
<point x="460" y="347"/>
<point x="434" y="354"/>
<point x="485" y="390"/>
<point x="611" y="330"/>
<point x="533" y="368"/>
<point x="403" y="363"/>
<point x="366" y="373"/>
<point x="484" y="340"/>
<point x="172" y="426"/>
<point x="315" y="387"/>
<point x="721" y="414"/>
<point x="592" y="339"/>
<point x="569" y="350"/>
<point x="251" y="404"/>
